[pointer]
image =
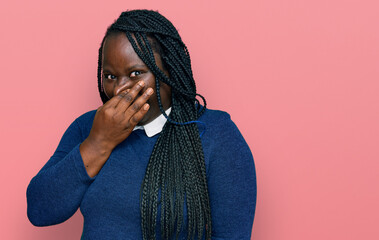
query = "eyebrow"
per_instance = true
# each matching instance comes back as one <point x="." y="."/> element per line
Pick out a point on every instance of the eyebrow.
<point x="106" y="69"/>
<point x="137" y="66"/>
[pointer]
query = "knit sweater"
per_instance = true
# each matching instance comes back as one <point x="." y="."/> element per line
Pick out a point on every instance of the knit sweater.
<point x="109" y="201"/>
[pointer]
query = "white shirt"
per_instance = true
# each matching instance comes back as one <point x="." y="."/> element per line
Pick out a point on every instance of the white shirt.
<point x="154" y="127"/>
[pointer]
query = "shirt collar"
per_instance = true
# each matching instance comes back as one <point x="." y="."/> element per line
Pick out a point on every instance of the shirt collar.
<point x="154" y="127"/>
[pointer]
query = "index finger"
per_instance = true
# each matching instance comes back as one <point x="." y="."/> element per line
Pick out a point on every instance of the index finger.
<point x="112" y="102"/>
<point x="127" y="98"/>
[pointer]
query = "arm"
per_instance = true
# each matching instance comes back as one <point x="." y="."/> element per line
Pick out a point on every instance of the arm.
<point x="55" y="193"/>
<point x="232" y="183"/>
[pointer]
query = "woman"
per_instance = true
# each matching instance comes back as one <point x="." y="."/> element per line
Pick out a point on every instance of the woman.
<point x="151" y="163"/>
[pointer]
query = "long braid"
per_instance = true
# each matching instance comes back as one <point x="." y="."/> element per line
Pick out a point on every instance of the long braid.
<point x="176" y="169"/>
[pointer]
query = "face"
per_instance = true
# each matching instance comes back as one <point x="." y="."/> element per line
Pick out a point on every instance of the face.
<point x="122" y="68"/>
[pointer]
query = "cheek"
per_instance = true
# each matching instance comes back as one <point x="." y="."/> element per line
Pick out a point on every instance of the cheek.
<point x="108" y="89"/>
<point x="150" y="83"/>
<point x="165" y="92"/>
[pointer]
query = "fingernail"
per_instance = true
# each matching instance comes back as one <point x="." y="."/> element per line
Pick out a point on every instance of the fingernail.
<point x="146" y="106"/>
<point x="141" y="83"/>
<point x="149" y="91"/>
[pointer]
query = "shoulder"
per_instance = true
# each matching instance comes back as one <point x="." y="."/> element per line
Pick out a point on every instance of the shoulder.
<point x="224" y="145"/>
<point x="211" y="115"/>
<point x="218" y="122"/>
<point x="86" y="118"/>
<point x="220" y="131"/>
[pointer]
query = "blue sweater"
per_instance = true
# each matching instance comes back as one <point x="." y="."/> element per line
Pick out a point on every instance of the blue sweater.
<point x="109" y="202"/>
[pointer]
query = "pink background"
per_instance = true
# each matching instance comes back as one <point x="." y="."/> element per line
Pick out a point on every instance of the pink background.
<point x="300" y="79"/>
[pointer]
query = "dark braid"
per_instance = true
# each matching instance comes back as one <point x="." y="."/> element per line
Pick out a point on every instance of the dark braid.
<point x="176" y="169"/>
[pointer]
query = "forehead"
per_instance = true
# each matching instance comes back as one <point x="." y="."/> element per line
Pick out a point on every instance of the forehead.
<point x="118" y="50"/>
<point x="117" y="43"/>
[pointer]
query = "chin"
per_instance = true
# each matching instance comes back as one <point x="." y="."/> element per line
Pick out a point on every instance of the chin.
<point x="150" y="116"/>
<point x="142" y="122"/>
<point x="145" y="120"/>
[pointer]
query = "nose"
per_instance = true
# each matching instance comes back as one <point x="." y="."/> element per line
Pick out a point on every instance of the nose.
<point x="122" y="84"/>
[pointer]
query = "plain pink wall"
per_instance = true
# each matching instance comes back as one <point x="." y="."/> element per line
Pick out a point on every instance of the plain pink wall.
<point x="300" y="79"/>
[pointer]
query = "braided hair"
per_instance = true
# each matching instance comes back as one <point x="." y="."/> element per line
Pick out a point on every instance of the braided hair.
<point x="176" y="169"/>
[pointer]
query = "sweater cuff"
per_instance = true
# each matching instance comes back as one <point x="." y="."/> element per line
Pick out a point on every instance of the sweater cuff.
<point x="79" y="166"/>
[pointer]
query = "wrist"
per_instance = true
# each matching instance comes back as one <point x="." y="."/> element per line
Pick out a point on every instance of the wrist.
<point x="94" y="156"/>
<point x="97" y="146"/>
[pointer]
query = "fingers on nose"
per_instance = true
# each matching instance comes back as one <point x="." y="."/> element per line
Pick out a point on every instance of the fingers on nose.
<point x="128" y="97"/>
<point x="122" y="86"/>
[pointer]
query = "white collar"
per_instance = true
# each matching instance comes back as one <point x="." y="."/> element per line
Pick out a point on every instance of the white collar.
<point x="154" y="127"/>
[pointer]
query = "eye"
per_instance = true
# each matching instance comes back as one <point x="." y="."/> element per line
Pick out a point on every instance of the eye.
<point x="109" y="76"/>
<point x="135" y="74"/>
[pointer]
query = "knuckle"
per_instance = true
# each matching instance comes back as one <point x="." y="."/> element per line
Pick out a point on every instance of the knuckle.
<point x="128" y="125"/>
<point x="121" y="95"/>
<point x="137" y="85"/>
<point x="108" y="111"/>
<point x="136" y="107"/>
<point x="128" y="97"/>
<point x="115" y="116"/>
<point x="146" y="95"/>
<point x="134" y="119"/>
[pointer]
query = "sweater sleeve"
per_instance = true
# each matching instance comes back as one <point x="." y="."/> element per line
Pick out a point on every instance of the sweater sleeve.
<point x="55" y="193"/>
<point x="232" y="183"/>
